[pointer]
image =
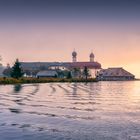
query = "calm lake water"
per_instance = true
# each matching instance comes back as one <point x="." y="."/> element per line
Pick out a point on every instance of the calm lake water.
<point x="65" y="111"/>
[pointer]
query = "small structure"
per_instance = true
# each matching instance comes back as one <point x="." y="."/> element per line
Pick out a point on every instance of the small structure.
<point x="1" y="69"/>
<point x="47" y="73"/>
<point x="114" y="74"/>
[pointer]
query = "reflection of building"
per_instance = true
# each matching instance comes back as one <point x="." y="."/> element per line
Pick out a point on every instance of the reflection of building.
<point x="34" y="67"/>
<point x="114" y="74"/>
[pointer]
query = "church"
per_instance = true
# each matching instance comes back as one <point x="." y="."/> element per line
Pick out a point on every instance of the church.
<point x="75" y="67"/>
<point x="92" y="66"/>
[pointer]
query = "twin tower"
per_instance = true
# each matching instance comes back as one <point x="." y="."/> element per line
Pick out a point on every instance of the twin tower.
<point x="74" y="56"/>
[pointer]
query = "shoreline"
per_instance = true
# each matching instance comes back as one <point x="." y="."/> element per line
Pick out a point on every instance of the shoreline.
<point x="25" y="80"/>
<point x="8" y="81"/>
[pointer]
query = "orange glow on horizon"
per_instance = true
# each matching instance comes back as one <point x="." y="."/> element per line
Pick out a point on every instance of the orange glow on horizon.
<point x="112" y="47"/>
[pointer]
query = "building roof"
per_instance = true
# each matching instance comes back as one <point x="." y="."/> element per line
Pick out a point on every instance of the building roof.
<point x="91" y="65"/>
<point x="38" y="65"/>
<point x="46" y="73"/>
<point x="117" y="72"/>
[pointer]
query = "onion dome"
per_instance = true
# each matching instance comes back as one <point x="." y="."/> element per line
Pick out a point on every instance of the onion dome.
<point x="74" y="53"/>
<point x="92" y="55"/>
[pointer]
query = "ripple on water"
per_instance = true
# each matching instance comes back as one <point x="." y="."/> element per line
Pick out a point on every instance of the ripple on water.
<point x="100" y="111"/>
<point x="15" y="110"/>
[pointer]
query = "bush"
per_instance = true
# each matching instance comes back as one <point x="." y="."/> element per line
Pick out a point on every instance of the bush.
<point x="42" y="80"/>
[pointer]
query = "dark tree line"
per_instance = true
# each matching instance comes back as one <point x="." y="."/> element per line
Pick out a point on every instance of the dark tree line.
<point x="15" y="71"/>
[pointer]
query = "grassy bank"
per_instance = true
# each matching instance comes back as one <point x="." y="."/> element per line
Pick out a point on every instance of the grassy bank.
<point x="41" y="80"/>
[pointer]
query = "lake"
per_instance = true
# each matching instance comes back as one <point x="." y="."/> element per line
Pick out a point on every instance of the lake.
<point x="70" y="111"/>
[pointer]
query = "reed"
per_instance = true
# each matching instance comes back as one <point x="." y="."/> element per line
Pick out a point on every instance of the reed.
<point x="42" y="80"/>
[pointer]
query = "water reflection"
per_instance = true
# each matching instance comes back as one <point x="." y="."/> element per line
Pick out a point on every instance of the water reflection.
<point x="36" y="89"/>
<point x="14" y="110"/>
<point x="17" y="88"/>
<point x="74" y="90"/>
<point x="77" y="110"/>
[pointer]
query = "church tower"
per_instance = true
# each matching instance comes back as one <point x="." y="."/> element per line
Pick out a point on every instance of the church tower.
<point x="74" y="56"/>
<point x="91" y="56"/>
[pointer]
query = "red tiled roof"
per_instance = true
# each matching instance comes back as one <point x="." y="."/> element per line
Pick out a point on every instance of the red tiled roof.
<point x="92" y="65"/>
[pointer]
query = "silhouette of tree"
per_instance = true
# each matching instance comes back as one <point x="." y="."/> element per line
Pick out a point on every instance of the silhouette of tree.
<point x="86" y="72"/>
<point x="69" y="76"/>
<point x="16" y="70"/>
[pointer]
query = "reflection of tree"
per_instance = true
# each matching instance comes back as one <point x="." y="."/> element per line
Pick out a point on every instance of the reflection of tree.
<point x="74" y="89"/>
<point x="17" y="88"/>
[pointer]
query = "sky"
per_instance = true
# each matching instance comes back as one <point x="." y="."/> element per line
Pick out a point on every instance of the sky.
<point x="49" y="30"/>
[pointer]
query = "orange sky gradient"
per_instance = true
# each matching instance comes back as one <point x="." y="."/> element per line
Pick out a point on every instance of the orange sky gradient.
<point x="113" y="46"/>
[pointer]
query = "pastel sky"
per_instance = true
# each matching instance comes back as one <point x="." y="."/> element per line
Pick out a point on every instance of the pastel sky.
<point x="49" y="30"/>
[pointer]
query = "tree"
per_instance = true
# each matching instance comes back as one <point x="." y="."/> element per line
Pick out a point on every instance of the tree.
<point x="60" y="74"/>
<point x="69" y="76"/>
<point x="16" y="70"/>
<point x="86" y="72"/>
<point x="76" y="72"/>
<point x="7" y="71"/>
